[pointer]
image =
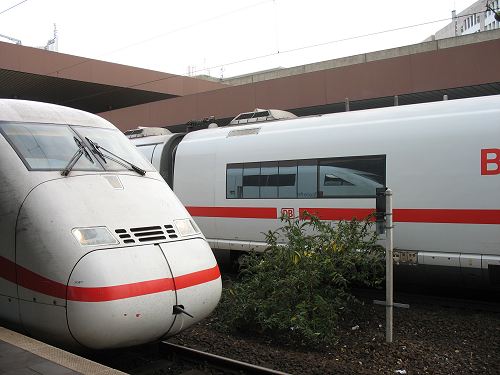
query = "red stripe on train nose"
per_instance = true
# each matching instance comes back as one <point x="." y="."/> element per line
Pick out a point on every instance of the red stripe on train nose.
<point x="30" y="280"/>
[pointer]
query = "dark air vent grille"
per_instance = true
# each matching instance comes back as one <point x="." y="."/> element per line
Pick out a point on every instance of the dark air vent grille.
<point x="170" y="231"/>
<point x="147" y="234"/>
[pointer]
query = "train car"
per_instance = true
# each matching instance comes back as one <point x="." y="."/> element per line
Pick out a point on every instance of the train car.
<point x="97" y="252"/>
<point x="441" y="160"/>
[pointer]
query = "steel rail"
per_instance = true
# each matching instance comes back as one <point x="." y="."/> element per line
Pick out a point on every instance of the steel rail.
<point x="217" y="361"/>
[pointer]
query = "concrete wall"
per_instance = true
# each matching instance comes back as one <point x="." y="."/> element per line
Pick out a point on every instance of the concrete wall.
<point x="435" y="65"/>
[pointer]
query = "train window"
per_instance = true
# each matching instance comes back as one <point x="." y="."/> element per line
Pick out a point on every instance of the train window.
<point x="45" y="147"/>
<point x="346" y="177"/>
<point x="269" y="180"/>
<point x="307" y="179"/>
<point x="234" y="181"/>
<point x="351" y="177"/>
<point x="287" y="179"/>
<point x="251" y="180"/>
<point x="114" y="141"/>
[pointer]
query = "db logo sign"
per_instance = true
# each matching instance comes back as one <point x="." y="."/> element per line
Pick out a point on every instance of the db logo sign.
<point x="288" y="212"/>
<point x="490" y="161"/>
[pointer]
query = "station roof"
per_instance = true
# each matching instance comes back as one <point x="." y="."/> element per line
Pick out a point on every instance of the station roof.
<point x="88" y="96"/>
<point x="458" y="67"/>
<point x="91" y="85"/>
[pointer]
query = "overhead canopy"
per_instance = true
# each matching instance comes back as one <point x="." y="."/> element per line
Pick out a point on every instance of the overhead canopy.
<point x="88" y="96"/>
<point x="87" y="84"/>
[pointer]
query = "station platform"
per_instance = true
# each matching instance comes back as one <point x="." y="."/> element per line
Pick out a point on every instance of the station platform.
<point x="21" y="355"/>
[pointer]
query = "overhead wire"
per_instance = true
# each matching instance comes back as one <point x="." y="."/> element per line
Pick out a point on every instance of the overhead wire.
<point x="12" y="7"/>
<point x="313" y="46"/>
<point x="198" y="23"/>
<point x="278" y="52"/>
<point x="267" y="55"/>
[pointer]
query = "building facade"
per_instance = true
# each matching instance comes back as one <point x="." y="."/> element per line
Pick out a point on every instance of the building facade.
<point x="476" y="18"/>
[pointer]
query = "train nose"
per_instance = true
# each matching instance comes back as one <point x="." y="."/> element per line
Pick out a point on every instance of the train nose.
<point x="120" y="297"/>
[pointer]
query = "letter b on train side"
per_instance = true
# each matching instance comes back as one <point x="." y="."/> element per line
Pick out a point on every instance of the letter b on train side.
<point x="490" y="161"/>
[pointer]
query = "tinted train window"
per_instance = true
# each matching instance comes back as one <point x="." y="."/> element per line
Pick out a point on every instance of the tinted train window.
<point x="251" y="180"/>
<point x="269" y="180"/>
<point x="234" y="181"/>
<point x="307" y="186"/>
<point x="349" y="177"/>
<point x="287" y="184"/>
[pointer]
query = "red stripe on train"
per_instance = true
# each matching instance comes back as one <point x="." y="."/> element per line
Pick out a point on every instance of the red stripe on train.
<point x="402" y="215"/>
<point x="235" y="212"/>
<point x="30" y="280"/>
<point x="111" y="293"/>
<point x="447" y="216"/>
<point x="405" y="215"/>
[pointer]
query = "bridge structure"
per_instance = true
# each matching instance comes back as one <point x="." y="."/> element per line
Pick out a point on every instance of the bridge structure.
<point x="457" y="67"/>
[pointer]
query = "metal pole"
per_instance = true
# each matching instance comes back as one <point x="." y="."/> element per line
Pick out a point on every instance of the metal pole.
<point x="388" y="268"/>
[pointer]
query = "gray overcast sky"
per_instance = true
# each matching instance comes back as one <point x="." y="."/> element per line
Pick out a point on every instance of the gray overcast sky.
<point x="175" y="36"/>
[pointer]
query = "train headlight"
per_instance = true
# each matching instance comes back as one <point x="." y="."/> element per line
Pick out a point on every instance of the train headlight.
<point x="94" y="236"/>
<point x="186" y="227"/>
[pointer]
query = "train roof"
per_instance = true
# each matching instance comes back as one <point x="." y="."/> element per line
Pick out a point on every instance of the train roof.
<point x="37" y="112"/>
<point x="403" y="113"/>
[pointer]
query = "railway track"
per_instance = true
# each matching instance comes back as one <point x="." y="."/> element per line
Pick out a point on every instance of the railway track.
<point x="166" y="358"/>
<point x="214" y="362"/>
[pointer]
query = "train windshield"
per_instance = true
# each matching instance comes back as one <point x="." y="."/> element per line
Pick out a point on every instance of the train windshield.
<point x="114" y="142"/>
<point x="46" y="147"/>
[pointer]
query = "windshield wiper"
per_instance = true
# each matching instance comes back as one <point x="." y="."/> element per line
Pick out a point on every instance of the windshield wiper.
<point x="96" y="149"/>
<point x="82" y="150"/>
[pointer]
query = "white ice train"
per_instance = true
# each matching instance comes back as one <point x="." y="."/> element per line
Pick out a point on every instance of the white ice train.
<point x="96" y="251"/>
<point x="441" y="160"/>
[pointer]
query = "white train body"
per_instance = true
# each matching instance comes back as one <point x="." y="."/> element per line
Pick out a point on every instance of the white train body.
<point x="97" y="258"/>
<point x="441" y="160"/>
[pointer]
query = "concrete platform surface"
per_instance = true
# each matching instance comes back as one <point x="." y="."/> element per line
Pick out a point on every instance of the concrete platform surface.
<point x="21" y="355"/>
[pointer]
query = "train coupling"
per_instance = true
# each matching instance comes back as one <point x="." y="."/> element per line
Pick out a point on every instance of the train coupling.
<point x="179" y="309"/>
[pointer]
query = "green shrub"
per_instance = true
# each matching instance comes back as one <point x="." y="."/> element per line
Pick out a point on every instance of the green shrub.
<point x="297" y="289"/>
